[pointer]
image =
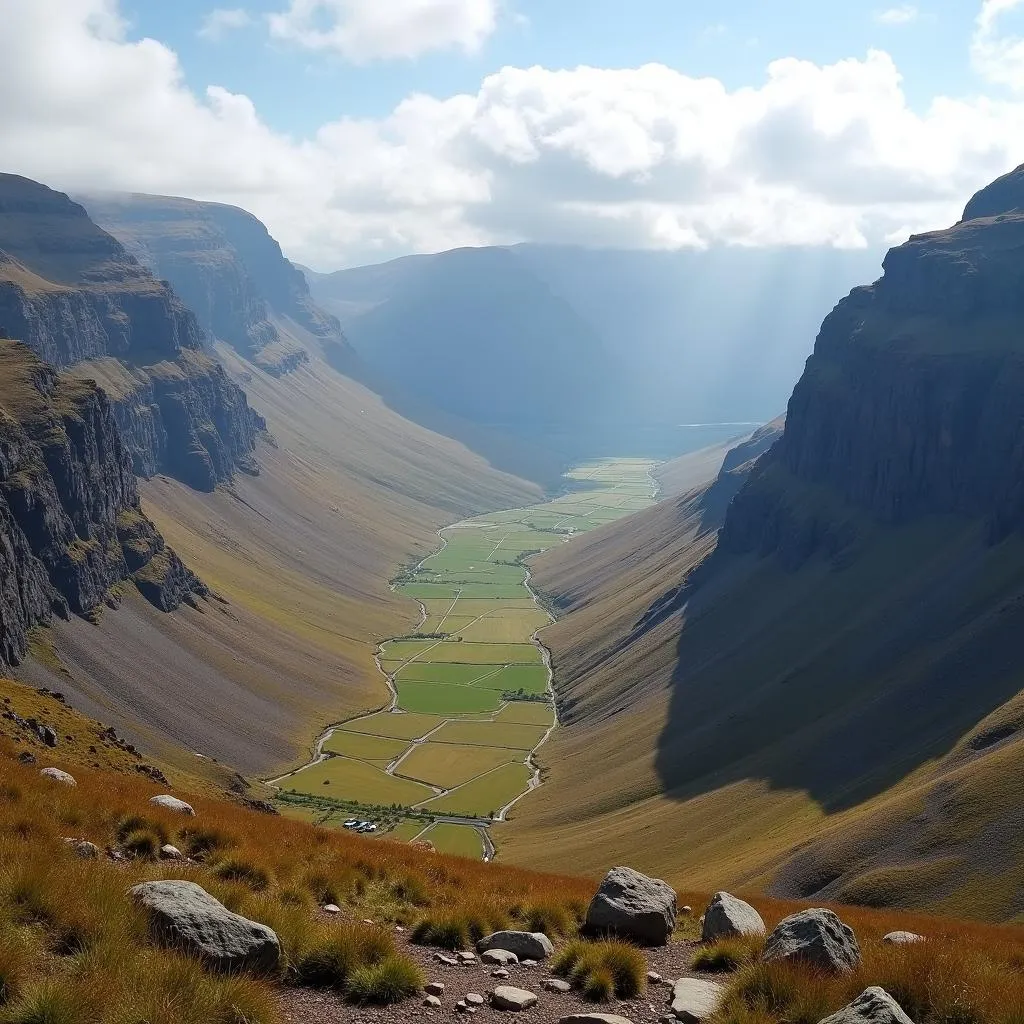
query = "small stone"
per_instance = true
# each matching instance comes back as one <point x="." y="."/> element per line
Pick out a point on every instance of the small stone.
<point x="499" y="956"/>
<point x="687" y="909"/>
<point x="695" y="1001"/>
<point x="398" y="927"/>
<point x="56" y="775"/>
<point x="461" y="1006"/>
<point x="433" y="1002"/>
<point x="654" y="977"/>
<point x="444" y="958"/>
<point x="466" y="957"/>
<point x="500" y="973"/>
<point x="474" y="999"/>
<point x="902" y="938"/>
<point x="506" y="997"/>
<point x="332" y="908"/>
<point x="172" y="803"/>
<point x="557" y="985"/>
<point x="27" y="757"/>
<point x="85" y="849"/>
<point x="434" y="988"/>
<point x="169" y="852"/>
<point x="529" y="963"/>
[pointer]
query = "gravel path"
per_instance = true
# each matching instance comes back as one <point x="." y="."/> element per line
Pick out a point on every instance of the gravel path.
<point x="304" y="1005"/>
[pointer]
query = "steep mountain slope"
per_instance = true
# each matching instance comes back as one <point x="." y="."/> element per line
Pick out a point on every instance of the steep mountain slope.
<point x="227" y="269"/>
<point x="73" y="295"/>
<point x="839" y="712"/>
<point x="71" y="527"/>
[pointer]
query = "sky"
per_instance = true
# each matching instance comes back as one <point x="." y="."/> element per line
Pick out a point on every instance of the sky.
<point x="360" y="130"/>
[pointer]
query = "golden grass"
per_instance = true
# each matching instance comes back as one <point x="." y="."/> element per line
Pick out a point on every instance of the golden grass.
<point x="449" y="765"/>
<point x="603" y="970"/>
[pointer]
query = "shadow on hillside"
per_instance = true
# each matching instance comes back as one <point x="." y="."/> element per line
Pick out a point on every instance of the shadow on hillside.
<point x="841" y="682"/>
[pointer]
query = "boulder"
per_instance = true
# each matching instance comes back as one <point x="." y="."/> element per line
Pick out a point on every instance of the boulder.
<point x="816" y="937"/>
<point x="506" y="997"/>
<point x="634" y="906"/>
<point x="557" y="985"/>
<point x="498" y="956"/>
<point x="525" y="945"/>
<point x="184" y="915"/>
<point x="902" y="938"/>
<point x="168" y="852"/>
<point x="47" y="735"/>
<point x="172" y="803"/>
<point x="728" y="917"/>
<point x="58" y="776"/>
<point x="873" y="1006"/>
<point x="694" y="1001"/>
<point x="594" y="1018"/>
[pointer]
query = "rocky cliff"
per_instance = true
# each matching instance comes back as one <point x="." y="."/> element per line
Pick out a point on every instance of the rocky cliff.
<point x="225" y="265"/>
<point x="74" y="295"/>
<point x="71" y="526"/>
<point x="912" y="401"/>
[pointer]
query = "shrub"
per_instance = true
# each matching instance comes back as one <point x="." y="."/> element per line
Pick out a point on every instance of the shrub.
<point x="141" y="843"/>
<point x="236" y="869"/>
<point x="387" y="981"/>
<point x="200" y="842"/>
<point x="330" y="960"/>
<point x="602" y="969"/>
<point x="728" y="954"/>
<point x="133" y="823"/>
<point x="445" y="933"/>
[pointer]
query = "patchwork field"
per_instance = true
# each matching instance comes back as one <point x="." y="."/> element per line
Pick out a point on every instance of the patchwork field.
<point x="471" y="684"/>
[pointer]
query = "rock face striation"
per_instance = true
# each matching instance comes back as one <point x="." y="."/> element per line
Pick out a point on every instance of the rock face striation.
<point x="71" y="526"/>
<point x="912" y="401"/>
<point x="228" y="269"/>
<point x="74" y="295"/>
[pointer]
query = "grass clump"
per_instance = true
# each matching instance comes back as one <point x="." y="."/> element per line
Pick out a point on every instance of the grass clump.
<point x="443" y="932"/>
<point x="14" y="964"/>
<point x="388" y="981"/>
<point x="602" y="970"/>
<point x="141" y="843"/>
<point x="728" y="954"/>
<point x="337" y="952"/>
<point x="237" y="869"/>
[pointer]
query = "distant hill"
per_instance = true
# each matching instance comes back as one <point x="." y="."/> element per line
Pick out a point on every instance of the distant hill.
<point x="825" y="698"/>
<point x="609" y="351"/>
<point x="228" y="270"/>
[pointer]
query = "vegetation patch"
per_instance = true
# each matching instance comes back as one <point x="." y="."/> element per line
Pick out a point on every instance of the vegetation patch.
<point x="449" y="765"/>
<point x="487" y="794"/>
<point x="345" y="777"/>
<point x="446" y="698"/>
<point x="602" y="970"/>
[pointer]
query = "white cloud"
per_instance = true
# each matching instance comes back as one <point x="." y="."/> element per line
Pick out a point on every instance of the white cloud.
<point x="902" y="15"/>
<point x="218" y="22"/>
<point x="996" y="56"/>
<point x="648" y="156"/>
<point x="364" y="30"/>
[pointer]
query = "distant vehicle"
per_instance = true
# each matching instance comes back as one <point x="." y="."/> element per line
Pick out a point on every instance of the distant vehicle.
<point x="352" y="823"/>
<point x="367" y="826"/>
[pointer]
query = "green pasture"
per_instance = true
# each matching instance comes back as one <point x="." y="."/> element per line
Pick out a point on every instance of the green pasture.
<point x="345" y="778"/>
<point x="522" y="712"/>
<point x="364" y="747"/>
<point x="459" y="840"/>
<point x="402" y="727"/>
<point x="449" y="765"/>
<point x="490" y="734"/>
<point x="483" y="795"/>
<point x="447" y="698"/>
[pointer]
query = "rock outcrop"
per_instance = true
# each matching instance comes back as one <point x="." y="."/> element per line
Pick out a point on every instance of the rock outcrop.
<point x="912" y="401"/>
<point x="74" y="295"/>
<point x="814" y="937"/>
<point x="71" y="526"/>
<point x="228" y="269"/>
<point x="634" y="906"/>
<point x="184" y="915"/>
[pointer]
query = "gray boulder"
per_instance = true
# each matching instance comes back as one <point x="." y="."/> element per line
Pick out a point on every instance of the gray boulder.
<point x="816" y="937"/>
<point x="634" y="906"/>
<point x="872" y="1006"/>
<point x="902" y="938"/>
<point x="728" y="917"/>
<point x="56" y="775"/>
<point x="507" y="997"/>
<point x="694" y="1001"/>
<point x="501" y="957"/>
<point x="172" y="803"/>
<point x="184" y="915"/>
<point x="525" y="945"/>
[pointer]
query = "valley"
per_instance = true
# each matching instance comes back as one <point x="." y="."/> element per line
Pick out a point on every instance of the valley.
<point x="471" y="695"/>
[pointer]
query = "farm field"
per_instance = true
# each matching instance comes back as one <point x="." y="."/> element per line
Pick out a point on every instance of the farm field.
<point x="471" y="684"/>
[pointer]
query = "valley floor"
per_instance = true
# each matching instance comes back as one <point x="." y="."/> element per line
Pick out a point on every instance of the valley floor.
<point x="471" y="685"/>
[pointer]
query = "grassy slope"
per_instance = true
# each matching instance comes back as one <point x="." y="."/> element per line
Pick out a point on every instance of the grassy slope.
<point x="830" y="747"/>
<point x="302" y="555"/>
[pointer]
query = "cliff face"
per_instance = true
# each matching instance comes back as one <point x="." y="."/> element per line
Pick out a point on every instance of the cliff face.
<point x="913" y="400"/>
<point x="223" y="262"/>
<point x="70" y="522"/>
<point x="74" y="295"/>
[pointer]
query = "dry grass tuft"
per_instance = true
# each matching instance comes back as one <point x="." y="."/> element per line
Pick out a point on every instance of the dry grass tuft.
<point x="728" y="954"/>
<point x="602" y="970"/>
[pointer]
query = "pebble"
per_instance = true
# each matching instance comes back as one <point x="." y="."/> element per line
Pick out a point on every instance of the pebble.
<point x="500" y="973"/>
<point x="557" y="985"/>
<point x="461" y="1006"/>
<point x="475" y="999"/>
<point x="654" y="977"/>
<point x="687" y="910"/>
<point x="529" y="963"/>
<point x="467" y="957"/>
<point x="435" y="988"/>
<point x="433" y="1002"/>
<point x="332" y="908"/>
<point x="366" y="920"/>
<point x="444" y="958"/>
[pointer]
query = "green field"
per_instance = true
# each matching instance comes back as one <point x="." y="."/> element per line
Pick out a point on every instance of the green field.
<point x="345" y="778"/>
<point x="448" y="765"/>
<point x="460" y="840"/>
<point x="451" y="686"/>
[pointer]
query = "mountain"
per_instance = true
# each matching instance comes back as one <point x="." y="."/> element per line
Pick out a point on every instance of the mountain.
<point x="71" y="525"/>
<point x="74" y="295"/>
<point x="825" y="699"/>
<point x="228" y="270"/>
<point x="629" y="345"/>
